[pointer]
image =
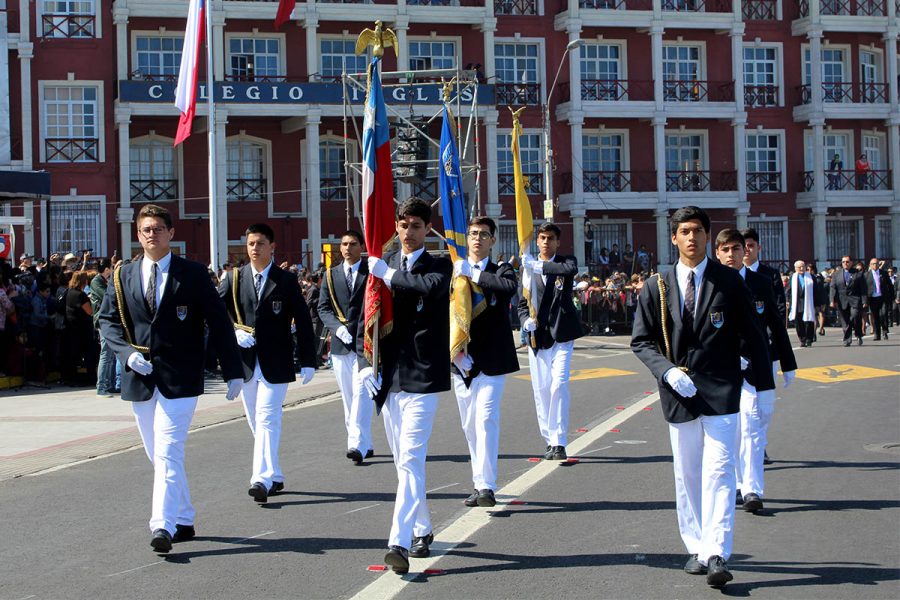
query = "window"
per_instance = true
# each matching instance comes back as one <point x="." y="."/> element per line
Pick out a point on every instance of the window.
<point x="605" y="235"/>
<point x="68" y="19"/>
<point x="601" y="158"/>
<point x="332" y="177"/>
<point x="152" y="177"/>
<point x="833" y="78"/>
<point x="246" y="167"/>
<point x="516" y="67"/>
<point x="760" y="76"/>
<point x="254" y="59"/>
<point x="432" y="54"/>
<point x="157" y="57"/>
<point x="74" y="224"/>
<point x="873" y="147"/>
<point x="842" y="237"/>
<point x="339" y="55"/>
<point x="682" y="73"/>
<point x="508" y="240"/>
<point x="763" y="162"/>
<point x="773" y="239"/>
<point x="684" y="163"/>
<point x="600" y="71"/>
<point x="530" y="151"/>
<point x="872" y="88"/>
<point x="71" y="130"/>
<point x="883" y="239"/>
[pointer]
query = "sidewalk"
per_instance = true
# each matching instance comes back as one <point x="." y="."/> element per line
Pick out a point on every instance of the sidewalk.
<point x="42" y="429"/>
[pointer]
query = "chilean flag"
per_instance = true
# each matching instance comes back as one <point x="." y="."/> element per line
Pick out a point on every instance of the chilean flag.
<point x="285" y="8"/>
<point x="378" y="196"/>
<point x="186" y="90"/>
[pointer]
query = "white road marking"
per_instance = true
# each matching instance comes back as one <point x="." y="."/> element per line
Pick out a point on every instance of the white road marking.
<point x="389" y="585"/>
<point x="363" y="508"/>
<point x="443" y="487"/>
<point x="592" y="451"/>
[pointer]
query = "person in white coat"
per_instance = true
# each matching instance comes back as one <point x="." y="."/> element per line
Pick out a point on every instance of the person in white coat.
<point x="803" y="309"/>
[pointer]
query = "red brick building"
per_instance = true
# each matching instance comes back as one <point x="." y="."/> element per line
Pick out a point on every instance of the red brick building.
<point x="756" y="110"/>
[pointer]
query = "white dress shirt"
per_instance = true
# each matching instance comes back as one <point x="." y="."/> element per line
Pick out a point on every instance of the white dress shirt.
<point x="682" y="272"/>
<point x="354" y="271"/>
<point x="877" y="277"/>
<point x="410" y="261"/>
<point x="754" y="267"/>
<point x="265" y="276"/>
<point x="161" y="277"/>
<point x="477" y="268"/>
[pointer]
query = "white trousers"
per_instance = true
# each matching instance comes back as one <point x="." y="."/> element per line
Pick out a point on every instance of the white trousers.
<point x="756" y="415"/>
<point x="703" y="455"/>
<point x="358" y="407"/>
<point x="407" y="421"/>
<point x="479" y="413"/>
<point x="550" y="383"/>
<point x="263" y="406"/>
<point x="163" y="424"/>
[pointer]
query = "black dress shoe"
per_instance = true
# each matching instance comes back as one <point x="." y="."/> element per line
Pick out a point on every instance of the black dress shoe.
<point x="752" y="503"/>
<point x="355" y="455"/>
<point x="766" y="459"/>
<point x="420" y="546"/>
<point x="877" y="338"/>
<point x="183" y="533"/>
<point x="259" y="493"/>
<point x="472" y="500"/>
<point x="370" y="452"/>
<point x="738" y="499"/>
<point x="717" y="573"/>
<point x="486" y="498"/>
<point x="277" y="486"/>
<point x="694" y="566"/>
<point x="161" y="542"/>
<point x="397" y="559"/>
<point x="548" y="455"/>
<point x="559" y="453"/>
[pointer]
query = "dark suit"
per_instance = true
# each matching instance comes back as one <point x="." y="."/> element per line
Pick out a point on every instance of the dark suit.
<point x="848" y="295"/>
<point x="557" y="318"/>
<point x="777" y="288"/>
<point x="711" y="354"/>
<point x="879" y="305"/>
<point x="349" y="302"/>
<point x="271" y="316"/>
<point x="174" y="335"/>
<point x="765" y="307"/>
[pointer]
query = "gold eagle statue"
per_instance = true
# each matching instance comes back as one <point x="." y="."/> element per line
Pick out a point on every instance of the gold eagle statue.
<point x="379" y="39"/>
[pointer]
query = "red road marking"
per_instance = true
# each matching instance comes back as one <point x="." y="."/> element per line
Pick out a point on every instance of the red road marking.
<point x="615" y="430"/>
<point x="376" y="568"/>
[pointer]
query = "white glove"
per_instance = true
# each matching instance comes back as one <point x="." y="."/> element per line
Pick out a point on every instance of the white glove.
<point x="245" y="339"/>
<point x="377" y="267"/>
<point x="462" y="268"/>
<point x="744" y="364"/>
<point x="343" y="334"/>
<point x="464" y="363"/>
<point x="234" y="389"/>
<point x="789" y="378"/>
<point x="529" y="325"/>
<point x="370" y="381"/>
<point x="528" y="261"/>
<point x="680" y="382"/>
<point x="139" y="364"/>
<point x="766" y="396"/>
<point x="306" y="375"/>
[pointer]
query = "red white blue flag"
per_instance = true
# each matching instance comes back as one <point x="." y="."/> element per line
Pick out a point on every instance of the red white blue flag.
<point x="378" y="198"/>
<point x="285" y="8"/>
<point x="186" y="90"/>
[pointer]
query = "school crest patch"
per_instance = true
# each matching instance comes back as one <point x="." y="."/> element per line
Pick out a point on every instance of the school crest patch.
<point x="276" y="307"/>
<point x="760" y="307"/>
<point x="181" y="312"/>
<point x="717" y="319"/>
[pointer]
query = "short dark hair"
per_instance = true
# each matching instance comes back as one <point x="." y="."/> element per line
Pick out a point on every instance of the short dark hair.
<point x="104" y="264"/>
<point x="414" y="207"/>
<point x="261" y="229"/>
<point x="729" y="236"/>
<point x="548" y="227"/>
<point x="154" y="211"/>
<point x="689" y="213"/>
<point x="486" y="221"/>
<point x="356" y="234"/>
<point x="848" y="257"/>
<point x="749" y="234"/>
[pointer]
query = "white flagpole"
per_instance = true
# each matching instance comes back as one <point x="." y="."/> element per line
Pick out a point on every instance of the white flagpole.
<point x="211" y="129"/>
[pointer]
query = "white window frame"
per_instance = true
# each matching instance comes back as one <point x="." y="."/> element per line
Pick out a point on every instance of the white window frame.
<point x="532" y="131"/>
<point x="101" y="117"/>
<point x="267" y="151"/>
<point x="178" y="164"/>
<point x="882" y="147"/>
<point x="704" y="143"/>
<point x="859" y="251"/>
<point x="39" y="22"/>
<point x="806" y="65"/>
<point x="541" y="60"/>
<point x="282" y="41"/>
<point x="353" y="181"/>
<point x="626" y="152"/>
<point x="782" y="153"/>
<point x="691" y="44"/>
<point x="153" y="33"/>
<point x="101" y="248"/>
<point x="809" y="140"/>
<point x="333" y="37"/>
<point x="879" y="251"/>
<point x="779" y="61"/>
<point x="622" y="45"/>
<point x="785" y="232"/>
<point x="444" y="39"/>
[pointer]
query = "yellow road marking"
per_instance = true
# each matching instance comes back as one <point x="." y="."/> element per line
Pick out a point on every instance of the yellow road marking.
<point x="841" y="373"/>
<point x="597" y="373"/>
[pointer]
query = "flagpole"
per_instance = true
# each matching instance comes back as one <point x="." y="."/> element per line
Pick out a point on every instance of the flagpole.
<point x="211" y="130"/>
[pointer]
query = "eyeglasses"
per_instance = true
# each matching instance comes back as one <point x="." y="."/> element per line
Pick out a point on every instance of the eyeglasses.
<point x="480" y="235"/>
<point x="148" y="231"/>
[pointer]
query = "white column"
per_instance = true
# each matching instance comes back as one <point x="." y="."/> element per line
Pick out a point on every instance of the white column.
<point x="313" y="200"/>
<point x="488" y="29"/>
<point x="578" y="213"/>
<point x="740" y="162"/>
<point x="656" y="47"/>
<point x="818" y="165"/>
<point x="890" y="52"/>
<point x="894" y="157"/>
<point x="401" y="28"/>
<point x="663" y="236"/>
<point x="490" y="149"/>
<point x="220" y="122"/>
<point x="815" y="65"/>
<point x="659" y="159"/>
<point x="218" y="23"/>
<point x="578" y="210"/>
<point x="124" y="214"/>
<point x="120" y="20"/>
<point x="5" y="115"/>
<point x="737" y="60"/>
<point x="310" y="26"/>
<point x="741" y="214"/>
<point x="574" y="31"/>
<point x="26" y="53"/>
<point x="820" y="237"/>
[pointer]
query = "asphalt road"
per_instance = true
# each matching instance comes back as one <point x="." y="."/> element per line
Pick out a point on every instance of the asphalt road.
<point x="602" y="527"/>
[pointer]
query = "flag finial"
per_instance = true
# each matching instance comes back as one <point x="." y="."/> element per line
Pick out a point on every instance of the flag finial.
<point x="379" y="39"/>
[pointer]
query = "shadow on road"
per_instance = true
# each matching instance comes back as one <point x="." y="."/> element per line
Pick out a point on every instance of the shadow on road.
<point x="782" y="465"/>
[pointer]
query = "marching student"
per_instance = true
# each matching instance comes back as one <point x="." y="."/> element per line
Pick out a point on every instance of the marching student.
<point x="553" y="334"/>
<point x="415" y="367"/>
<point x="340" y="308"/>
<point x="752" y="249"/>
<point x="479" y="373"/>
<point x="154" y="321"/>
<point x="689" y="326"/>
<point x="269" y="313"/>
<point x="757" y="408"/>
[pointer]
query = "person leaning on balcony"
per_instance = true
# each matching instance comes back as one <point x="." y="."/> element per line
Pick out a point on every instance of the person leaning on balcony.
<point x="862" y="170"/>
<point x="834" y="172"/>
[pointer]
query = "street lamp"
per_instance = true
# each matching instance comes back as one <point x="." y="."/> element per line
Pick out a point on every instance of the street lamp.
<point x="548" y="153"/>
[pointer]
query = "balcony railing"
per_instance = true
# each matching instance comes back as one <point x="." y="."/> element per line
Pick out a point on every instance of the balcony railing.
<point x="701" y="181"/>
<point x="517" y="94"/>
<point x="515" y="7"/>
<point x="245" y="189"/>
<point x="616" y="90"/>
<point x="848" y="181"/>
<point x="534" y="183"/>
<point x="838" y="92"/>
<point x="68" y="26"/>
<point x="759" y="96"/>
<point x="332" y="188"/>
<point x="616" y="4"/>
<point x="607" y="182"/>
<point x="256" y="78"/>
<point x="852" y="8"/>
<point x="760" y="10"/>
<point x="760" y="183"/>
<point x="72" y="149"/>
<point x="153" y="190"/>
<point x="675" y="90"/>
<point x="138" y="75"/>
<point x="714" y="6"/>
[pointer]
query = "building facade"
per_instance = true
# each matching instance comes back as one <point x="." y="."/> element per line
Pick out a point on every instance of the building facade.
<point x="757" y="110"/>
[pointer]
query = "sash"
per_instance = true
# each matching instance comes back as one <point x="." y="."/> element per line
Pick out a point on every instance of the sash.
<point x="120" y="301"/>
<point x="237" y="306"/>
<point x="334" y="303"/>
<point x="664" y="316"/>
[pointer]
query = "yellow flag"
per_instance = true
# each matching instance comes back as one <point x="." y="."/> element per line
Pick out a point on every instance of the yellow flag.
<point x="524" y="218"/>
